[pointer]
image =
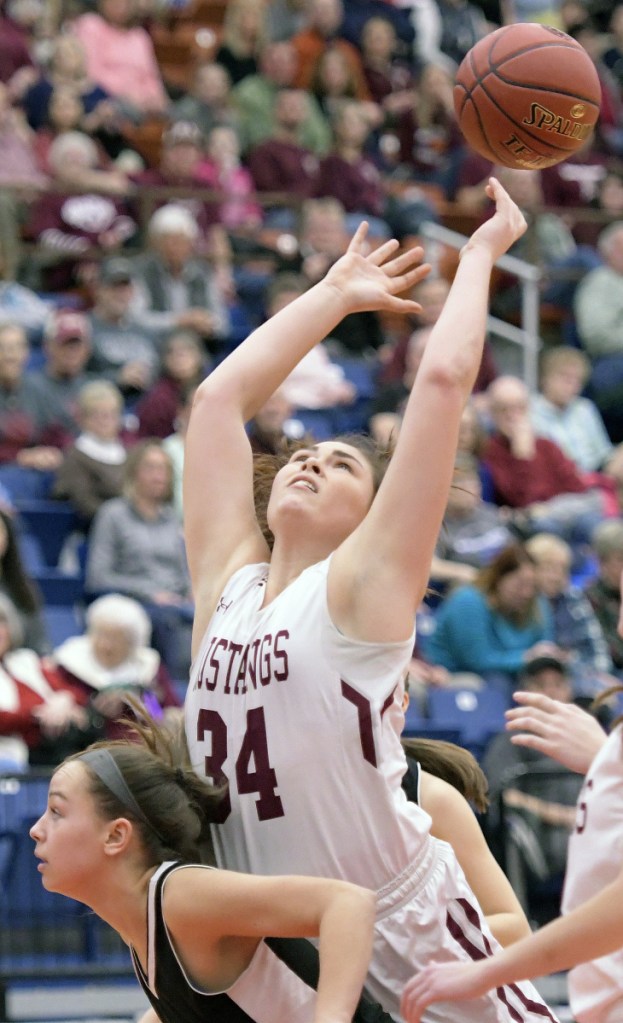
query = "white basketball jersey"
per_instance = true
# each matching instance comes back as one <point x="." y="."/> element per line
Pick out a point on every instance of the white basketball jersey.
<point x="305" y="725"/>
<point x="595" y="858"/>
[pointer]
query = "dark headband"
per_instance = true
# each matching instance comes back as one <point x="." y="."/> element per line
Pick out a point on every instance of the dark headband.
<point x="104" y="765"/>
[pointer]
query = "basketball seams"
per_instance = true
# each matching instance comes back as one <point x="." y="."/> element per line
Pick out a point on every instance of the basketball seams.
<point x="539" y="87"/>
<point x="521" y="127"/>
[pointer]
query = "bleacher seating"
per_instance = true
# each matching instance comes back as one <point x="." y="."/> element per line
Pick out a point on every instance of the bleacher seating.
<point x="476" y="714"/>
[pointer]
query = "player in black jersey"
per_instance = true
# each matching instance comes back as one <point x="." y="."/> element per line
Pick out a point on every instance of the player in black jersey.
<point x="123" y="832"/>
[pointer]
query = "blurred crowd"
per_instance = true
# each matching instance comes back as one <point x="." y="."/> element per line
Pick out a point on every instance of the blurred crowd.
<point x="172" y="173"/>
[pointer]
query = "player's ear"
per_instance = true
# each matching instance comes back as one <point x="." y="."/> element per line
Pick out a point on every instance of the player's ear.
<point x="118" y="836"/>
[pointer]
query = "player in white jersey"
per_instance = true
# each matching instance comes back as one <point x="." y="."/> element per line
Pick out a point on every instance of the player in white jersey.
<point x="298" y="653"/>
<point x="589" y="935"/>
<point x="122" y="833"/>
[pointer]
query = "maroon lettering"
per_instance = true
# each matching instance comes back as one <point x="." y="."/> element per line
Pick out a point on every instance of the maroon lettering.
<point x="265" y="659"/>
<point x="234" y="648"/>
<point x="215" y="664"/>
<point x="241" y="685"/>
<point x="263" y="778"/>
<point x="211" y="724"/>
<point x="281" y="655"/>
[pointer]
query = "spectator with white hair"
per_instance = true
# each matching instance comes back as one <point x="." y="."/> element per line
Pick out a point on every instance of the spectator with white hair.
<point x="174" y="286"/>
<point x="112" y="660"/>
<point x="78" y="218"/>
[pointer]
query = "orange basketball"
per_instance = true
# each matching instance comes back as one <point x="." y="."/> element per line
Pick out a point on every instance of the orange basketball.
<point x="527" y="96"/>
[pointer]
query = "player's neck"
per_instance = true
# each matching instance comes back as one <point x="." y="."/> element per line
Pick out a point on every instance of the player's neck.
<point x="287" y="563"/>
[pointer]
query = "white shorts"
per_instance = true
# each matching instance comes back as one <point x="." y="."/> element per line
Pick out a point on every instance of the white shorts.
<point x="430" y="912"/>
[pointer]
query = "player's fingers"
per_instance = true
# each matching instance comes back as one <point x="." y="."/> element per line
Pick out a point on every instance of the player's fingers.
<point x="404" y="261"/>
<point x="409" y="279"/>
<point x="538" y="700"/>
<point x="356" y="242"/>
<point x="383" y="252"/>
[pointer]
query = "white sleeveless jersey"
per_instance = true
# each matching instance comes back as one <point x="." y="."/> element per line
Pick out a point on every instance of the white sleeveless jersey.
<point x="305" y="726"/>
<point x="595" y="858"/>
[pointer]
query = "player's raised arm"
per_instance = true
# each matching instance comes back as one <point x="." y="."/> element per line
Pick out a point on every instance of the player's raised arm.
<point x="219" y="521"/>
<point x="380" y="573"/>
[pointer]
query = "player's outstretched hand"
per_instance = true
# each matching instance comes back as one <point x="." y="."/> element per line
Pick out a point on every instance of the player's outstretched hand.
<point x="442" y="982"/>
<point x="502" y="229"/>
<point x="374" y="280"/>
<point x="559" y="730"/>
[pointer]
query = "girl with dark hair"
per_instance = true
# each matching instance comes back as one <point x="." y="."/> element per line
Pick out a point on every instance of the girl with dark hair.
<point x="124" y="832"/>
<point x="295" y="693"/>
<point x="493" y="626"/>
<point x="16" y="584"/>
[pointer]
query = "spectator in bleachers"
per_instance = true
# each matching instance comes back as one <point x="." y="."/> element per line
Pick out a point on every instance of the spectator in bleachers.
<point x="180" y="160"/>
<point x="273" y="426"/>
<point x="67" y="67"/>
<point x="65" y="112"/>
<point x="17" y="586"/>
<point x="238" y="210"/>
<point x="40" y="721"/>
<point x="111" y="661"/>
<point x="15" y="41"/>
<point x="70" y="224"/>
<point x="531" y="474"/>
<point x="495" y="625"/>
<point x="280" y="163"/>
<point x="560" y="412"/>
<point x="604" y="590"/>
<point x="255" y="98"/>
<point x="173" y="285"/>
<point x="208" y="101"/>
<point x="608" y="133"/>
<point x="67" y="348"/>
<point x="347" y="173"/>
<point x="388" y="403"/>
<point x="461" y="24"/>
<point x="576" y="628"/>
<point x="123" y="349"/>
<point x="548" y="243"/>
<point x="430" y="141"/>
<point x="613" y="55"/>
<point x="284" y="18"/>
<point x="174" y="446"/>
<point x="31" y="437"/>
<point x="598" y="307"/>
<point x="555" y="808"/>
<point x="473" y="531"/>
<point x="389" y="77"/>
<point x="93" y="467"/>
<point x="21" y="179"/>
<point x="323" y="238"/>
<point x="243" y="36"/>
<point x="120" y="58"/>
<point x="333" y="80"/>
<point x="184" y="365"/>
<point x="322" y="32"/>
<point x="316" y="382"/>
<point x="136" y="548"/>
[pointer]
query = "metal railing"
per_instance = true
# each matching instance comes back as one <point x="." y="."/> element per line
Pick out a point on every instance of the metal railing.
<point x="527" y="336"/>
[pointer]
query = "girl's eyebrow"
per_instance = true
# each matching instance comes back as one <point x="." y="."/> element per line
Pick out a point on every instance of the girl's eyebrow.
<point x="346" y="454"/>
<point x="59" y="795"/>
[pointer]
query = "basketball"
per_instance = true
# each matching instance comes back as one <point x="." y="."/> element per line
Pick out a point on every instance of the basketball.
<point x="527" y="96"/>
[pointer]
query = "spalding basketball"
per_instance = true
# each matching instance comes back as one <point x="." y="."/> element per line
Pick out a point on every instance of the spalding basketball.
<point x="527" y="96"/>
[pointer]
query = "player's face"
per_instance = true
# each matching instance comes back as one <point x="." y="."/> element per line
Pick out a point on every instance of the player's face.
<point x="69" y="835"/>
<point x="328" y="483"/>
